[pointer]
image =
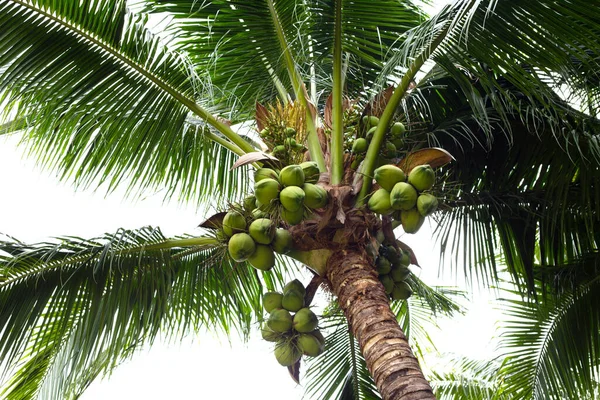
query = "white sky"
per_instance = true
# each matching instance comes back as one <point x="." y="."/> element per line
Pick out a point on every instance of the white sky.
<point x="34" y="206"/>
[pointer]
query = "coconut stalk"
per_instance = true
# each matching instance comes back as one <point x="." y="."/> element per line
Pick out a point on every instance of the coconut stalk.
<point x="362" y="298"/>
<point x="337" y="131"/>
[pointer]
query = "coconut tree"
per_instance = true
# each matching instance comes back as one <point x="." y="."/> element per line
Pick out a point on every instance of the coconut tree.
<point x="499" y="99"/>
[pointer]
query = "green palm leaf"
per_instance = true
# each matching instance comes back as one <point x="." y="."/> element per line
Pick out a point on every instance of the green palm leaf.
<point x="73" y="310"/>
<point x="101" y="109"/>
<point x="552" y="345"/>
<point x="469" y="380"/>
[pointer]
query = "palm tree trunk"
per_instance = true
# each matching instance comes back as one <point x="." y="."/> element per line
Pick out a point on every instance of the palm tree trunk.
<point x="390" y="360"/>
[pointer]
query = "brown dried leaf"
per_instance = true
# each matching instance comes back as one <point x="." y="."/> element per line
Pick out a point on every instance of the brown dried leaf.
<point x="327" y="112"/>
<point x="214" y="221"/>
<point x="294" y="371"/>
<point x="249" y="158"/>
<point x="262" y="116"/>
<point x="311" y="289"/>
<point x="434" y="156"/>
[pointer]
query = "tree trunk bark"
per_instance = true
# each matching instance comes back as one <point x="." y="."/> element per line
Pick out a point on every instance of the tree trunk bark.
<point x="390" y="360"/>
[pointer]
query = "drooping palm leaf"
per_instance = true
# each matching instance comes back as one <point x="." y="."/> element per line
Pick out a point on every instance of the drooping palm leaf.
<point x="71" y="311"/>
<point x="552" y="345"/>
<point x="105" y="101"/>
<point x="469" y="380"/>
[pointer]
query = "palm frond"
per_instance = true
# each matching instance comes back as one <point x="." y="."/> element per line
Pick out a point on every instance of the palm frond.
<point x="100" y="109"/>
<point x="233" y="43"/>
<point x="72" y="310"/>
<point x="552" y="345"/>
<point x="467" y="379"/>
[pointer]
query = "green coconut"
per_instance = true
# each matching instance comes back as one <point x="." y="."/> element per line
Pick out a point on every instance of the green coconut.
<point x="399" y="274"/>
<point x="401" y="291"/>
<point x="387" y="282"/>
<point x="370" y="133"/>
<point x="257" y="213"/>
<point x="289" y="132"/>
<point x="360" y="146"/>
<point x="315" y="196"/>
<point x="287" y="353"/>
<point x="305" y="320"/>
<point x="294" y="285"/>
<point x="411" y="220"/>
<point x="390" y="149"/>
<point x="422" y="177"/>
<point x="266" y="190"/>
<point x="311" y="171"/>
<point x="262" y="230"/>
<point x="279" y="150"/>
<point x="292" y="175"/>
<point x="403" y="196"/>
<point x="292" y="198"/>
<point x="241" y="246"/>
<point x="380" y="236"/>
<point x="293" y="300"/>
<point x="404" y="258"/>
<point x="309" y="345"/>
<point x="290" y="143"/>
<point x="388" y="175"/>
<point x="280" y="320"/>
<point x="373" y="120"/>
<point x="292" y="217"/>
<point x="383" y="265"/>
<point x="263" y="258"/>
<point x="399" y="143"/>
<point x="264" y="173"/>
<point x="397" y="129"/>
<point x="379" y="202"/>
<point x="317" y="333"/>
<point x="283" y="241"/>
<point x="269" y="335"/>
<point x="249" y="203"/>
<point x="272" y="300"/>
<point x="427" y="204"/>
<point x="233" y="222"/>
<point x="392" y="254"/>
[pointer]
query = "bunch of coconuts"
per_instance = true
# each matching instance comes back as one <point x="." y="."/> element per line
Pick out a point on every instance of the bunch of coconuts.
<point x="403" y="197"/>
<point x="291" y="325"/>
<point x="291" y="191"/>
<point x="254" y="239"/>
<point x="393" y="137"/>
<point x="392" y="267"/>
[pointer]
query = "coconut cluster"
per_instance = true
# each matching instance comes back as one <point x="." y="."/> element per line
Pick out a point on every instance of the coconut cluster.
<point x="291" y="324"/>
<point x="392" y="267"/>
<point x="405" y="198"/>
<point x="292" y="191"/>
<point x="284" y="141"/>
<point x="254" y="238"/>
<point x="393" y="139"/>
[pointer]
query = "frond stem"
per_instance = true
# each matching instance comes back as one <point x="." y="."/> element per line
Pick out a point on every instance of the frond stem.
<point x="388" y="113"/>
<point x="314" y="147"/>
<point x="337" y="131"/>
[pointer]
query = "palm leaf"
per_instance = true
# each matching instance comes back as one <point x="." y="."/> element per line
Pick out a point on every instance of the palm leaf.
<point x="73" y="310"/>
<point x="469" y="380"/>
<point x="100" y="109"/>
<point x="552" y="345"/>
